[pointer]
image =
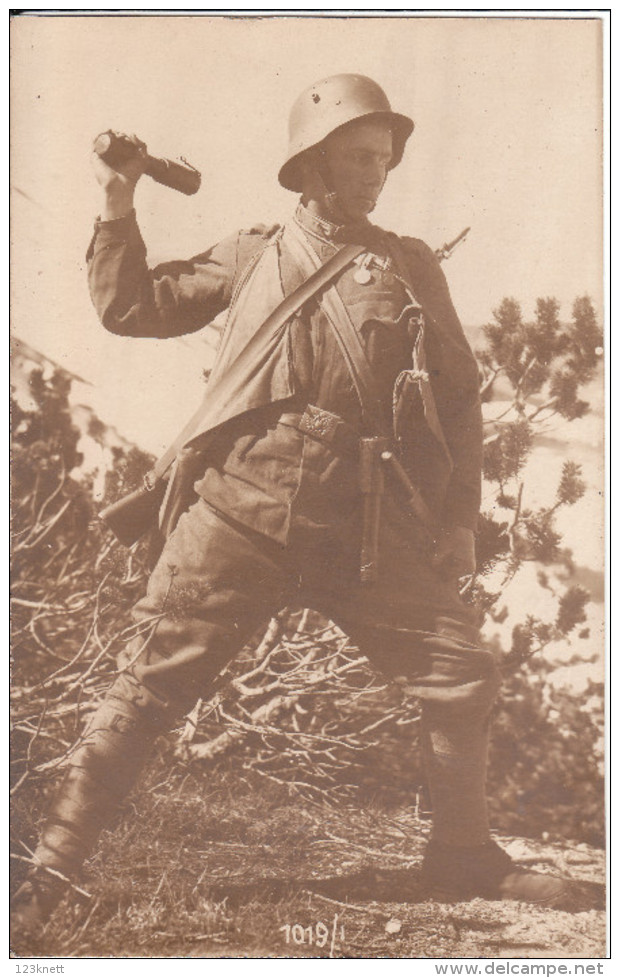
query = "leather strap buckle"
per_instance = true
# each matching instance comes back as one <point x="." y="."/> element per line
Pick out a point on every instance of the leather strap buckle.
<point x="329" y="429"/>
<point x="150" y="480"/>
<point x="319" y="423"/>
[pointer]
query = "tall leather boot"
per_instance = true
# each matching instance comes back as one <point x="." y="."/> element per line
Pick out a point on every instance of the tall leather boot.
<point x="454" y="751"/>
<point x="103" y="768"/>
<point x="462" y="861"/>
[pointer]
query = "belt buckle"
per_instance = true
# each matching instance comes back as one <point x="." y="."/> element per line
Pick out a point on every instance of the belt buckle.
<point x="318" y="423"/>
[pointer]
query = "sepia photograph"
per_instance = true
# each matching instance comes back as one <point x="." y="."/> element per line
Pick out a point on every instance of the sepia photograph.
<point x="308" y="623"/>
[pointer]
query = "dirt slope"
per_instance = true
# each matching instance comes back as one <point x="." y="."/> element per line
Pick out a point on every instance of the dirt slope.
<point x="231" y="871"/>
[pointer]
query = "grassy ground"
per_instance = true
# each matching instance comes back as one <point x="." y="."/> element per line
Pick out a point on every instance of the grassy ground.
<point x="219" y="867"/>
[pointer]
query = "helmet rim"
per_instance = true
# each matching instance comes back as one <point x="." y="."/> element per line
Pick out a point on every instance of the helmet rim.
<point x="341" y="100"/>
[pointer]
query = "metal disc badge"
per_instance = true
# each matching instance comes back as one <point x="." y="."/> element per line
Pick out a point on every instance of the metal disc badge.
<point x="362" y="275"/>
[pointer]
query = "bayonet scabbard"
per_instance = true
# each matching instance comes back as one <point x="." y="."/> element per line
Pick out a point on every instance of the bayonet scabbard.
<point x="372" y="484"/>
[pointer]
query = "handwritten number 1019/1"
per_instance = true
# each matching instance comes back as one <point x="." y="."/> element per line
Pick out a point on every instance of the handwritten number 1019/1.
<point x="318" y="934"/>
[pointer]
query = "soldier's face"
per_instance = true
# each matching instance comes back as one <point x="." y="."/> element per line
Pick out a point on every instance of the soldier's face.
<point x="357" y="158"/>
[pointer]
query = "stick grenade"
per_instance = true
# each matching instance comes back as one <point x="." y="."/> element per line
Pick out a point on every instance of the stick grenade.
<point x="372" y="484"/>
<point x="116" y="150"/>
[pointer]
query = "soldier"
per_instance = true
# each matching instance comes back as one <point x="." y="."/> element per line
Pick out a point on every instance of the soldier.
<point x="278" y="514"/>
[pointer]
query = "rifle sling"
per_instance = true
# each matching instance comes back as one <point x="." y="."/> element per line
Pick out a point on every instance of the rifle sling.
<point x="349" y="342"/>
<point x="362" y="376"/>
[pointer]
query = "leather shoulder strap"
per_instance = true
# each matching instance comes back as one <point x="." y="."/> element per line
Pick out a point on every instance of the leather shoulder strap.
<point x="348" y="341"/>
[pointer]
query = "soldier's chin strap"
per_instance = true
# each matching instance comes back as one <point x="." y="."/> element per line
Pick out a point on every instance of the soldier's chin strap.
<point x="324" y="181"/>
<point x="330" y="197"/>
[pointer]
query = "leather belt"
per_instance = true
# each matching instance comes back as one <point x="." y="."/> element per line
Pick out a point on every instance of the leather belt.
<point x="327" y="428"/>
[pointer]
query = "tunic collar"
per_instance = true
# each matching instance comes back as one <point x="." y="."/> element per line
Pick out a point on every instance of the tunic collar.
<point x="360" y="232"/>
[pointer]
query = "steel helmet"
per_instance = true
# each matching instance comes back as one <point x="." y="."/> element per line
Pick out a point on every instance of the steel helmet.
<point x="331" y="103"/>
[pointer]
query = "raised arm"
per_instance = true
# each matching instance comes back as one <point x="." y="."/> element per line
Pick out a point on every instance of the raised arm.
<point x="174" y="298"/>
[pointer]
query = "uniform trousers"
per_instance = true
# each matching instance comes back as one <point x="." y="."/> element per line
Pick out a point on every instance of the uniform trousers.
<point x="214" y="584"/>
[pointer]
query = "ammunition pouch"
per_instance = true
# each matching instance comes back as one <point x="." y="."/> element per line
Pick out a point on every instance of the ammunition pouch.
<point x="159" y="502"/>
<point x="136" y="513"/>
<point x="188" y="467"/>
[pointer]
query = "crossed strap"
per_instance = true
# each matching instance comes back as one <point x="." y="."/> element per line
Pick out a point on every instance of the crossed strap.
<point x="252" y="352"/>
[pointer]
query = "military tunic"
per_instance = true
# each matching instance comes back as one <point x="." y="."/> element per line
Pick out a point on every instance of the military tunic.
<point x="279" y="515"/>
<point x="263" y="472"/>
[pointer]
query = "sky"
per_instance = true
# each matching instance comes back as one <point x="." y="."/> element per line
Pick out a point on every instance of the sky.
<point x="508" y="140"/>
